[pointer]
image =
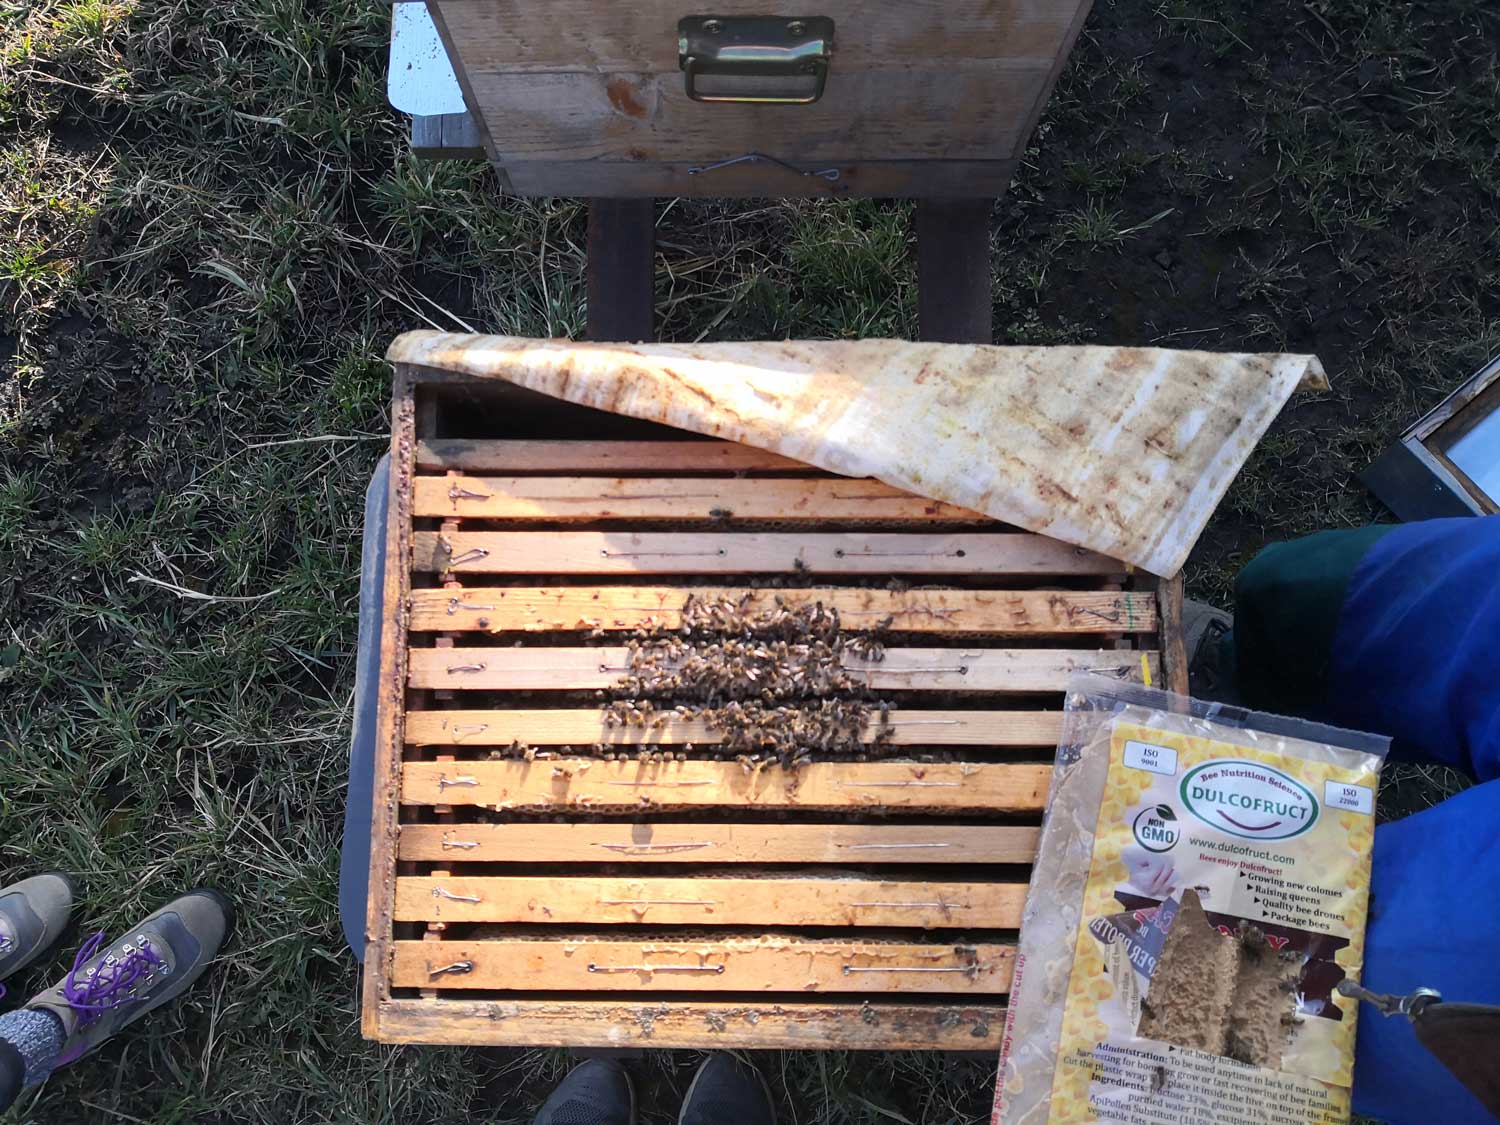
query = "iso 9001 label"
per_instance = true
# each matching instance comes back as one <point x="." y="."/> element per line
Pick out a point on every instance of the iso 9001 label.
<point x="1153" y="759"/>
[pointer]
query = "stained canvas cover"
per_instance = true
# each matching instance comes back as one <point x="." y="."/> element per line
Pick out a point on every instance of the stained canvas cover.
<point x="1125" y="451"/>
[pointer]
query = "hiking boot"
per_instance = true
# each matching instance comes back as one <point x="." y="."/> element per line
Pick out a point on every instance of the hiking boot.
<point x="1210" y="662"/>
<point x="726" y="1091"/>
<point x="156" y="960"/>
<point x="596" y="1092"/>
<point x="33" y="915"/>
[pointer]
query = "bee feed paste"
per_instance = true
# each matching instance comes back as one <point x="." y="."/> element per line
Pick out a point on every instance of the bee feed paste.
<point x="1200" y="891"/>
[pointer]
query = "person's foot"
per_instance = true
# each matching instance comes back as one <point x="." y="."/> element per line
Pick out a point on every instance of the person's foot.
<point x="1210" y="675"/>
<point x="726" y="1091"/>
<point x="595" y="1092"/>
<point x="155" y="961"/>
<point x="33" y="915"/>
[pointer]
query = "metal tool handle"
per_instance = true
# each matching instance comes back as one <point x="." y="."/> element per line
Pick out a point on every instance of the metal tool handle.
<point x="1410" y="1005"/>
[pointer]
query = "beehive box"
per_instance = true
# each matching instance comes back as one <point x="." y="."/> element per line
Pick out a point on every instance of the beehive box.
<point x="922" y="98"/>
<point x="528" y="890"/>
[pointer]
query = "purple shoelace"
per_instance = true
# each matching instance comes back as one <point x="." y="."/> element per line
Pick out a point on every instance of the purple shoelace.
<point x="93" y="993"/>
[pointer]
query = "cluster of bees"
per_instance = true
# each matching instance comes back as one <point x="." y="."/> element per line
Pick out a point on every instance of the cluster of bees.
<point x="770" y="683"/>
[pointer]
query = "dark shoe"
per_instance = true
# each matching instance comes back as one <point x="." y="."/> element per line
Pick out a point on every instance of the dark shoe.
<point x="33" y="915"/>
<point x="111" y="986"/>
<point x="1210" y="673"/>
<point x="595" y="1092"/>
<point x="726" y="1091"/>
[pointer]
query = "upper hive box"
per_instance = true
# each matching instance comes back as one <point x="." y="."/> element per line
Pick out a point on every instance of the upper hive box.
<point x="921" y="98"/>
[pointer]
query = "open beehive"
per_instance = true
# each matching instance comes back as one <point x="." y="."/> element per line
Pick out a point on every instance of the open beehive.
<point x="545" y="872"/>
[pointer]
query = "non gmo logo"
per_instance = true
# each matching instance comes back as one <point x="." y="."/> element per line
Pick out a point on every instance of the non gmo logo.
<point x="1155" y="828"/>
<point x="1248" y="799"/>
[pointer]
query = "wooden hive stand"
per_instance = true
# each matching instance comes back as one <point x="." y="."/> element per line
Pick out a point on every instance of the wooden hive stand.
<point x="526" y="891"/>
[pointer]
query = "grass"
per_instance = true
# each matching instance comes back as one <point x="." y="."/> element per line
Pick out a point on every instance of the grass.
<point x="212" y="228"/>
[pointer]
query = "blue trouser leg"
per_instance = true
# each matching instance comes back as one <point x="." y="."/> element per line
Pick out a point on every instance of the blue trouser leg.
<point x="1406" y="642"/>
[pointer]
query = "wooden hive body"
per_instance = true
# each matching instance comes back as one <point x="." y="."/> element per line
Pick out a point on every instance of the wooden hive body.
<point x="923" y="98"/>
<point x="571" y="900"/>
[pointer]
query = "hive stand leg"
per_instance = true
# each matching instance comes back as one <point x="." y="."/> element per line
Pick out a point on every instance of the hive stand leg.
<point x="622" y="269"/>
<point x="953" y="271"/>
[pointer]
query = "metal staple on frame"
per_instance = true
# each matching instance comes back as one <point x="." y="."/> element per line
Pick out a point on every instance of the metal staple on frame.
<point x="456" y="604"/>
<point x="443" y="892"/>
<point x="961" y="669"/>
<point x="841" y="553"/>
<point x="605" y="552"/>
<point x="716" y="969"/>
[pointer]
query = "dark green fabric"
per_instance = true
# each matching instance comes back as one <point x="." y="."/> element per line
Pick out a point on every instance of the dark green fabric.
<point x="1287" y="602"/>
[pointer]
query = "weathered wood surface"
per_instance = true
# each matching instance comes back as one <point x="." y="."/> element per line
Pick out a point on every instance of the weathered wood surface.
<point x="390" y="671"/>
<point x="598" y="458"/>
<point x="861" y="177"/>
<point x="583" y="116"/>
<point x="562" y="726"/>
<point x="702" y="1024"/>
<point x="1174" y="658"/>
<point x="447" y="136"/>
<point x="899" y="669"/>
<point x="589" y="100"/>
<point x="625" y="552"/>
<point x="691" y="499"/>
<point x="670" y="964"/>
<point x="580" y="35"/>
<point x="502" y="609"/>
<point x="586" y="783"/>
<point x="621" y="270"/>
<point x="606" y="842"/>
<point x="764" y="901"/>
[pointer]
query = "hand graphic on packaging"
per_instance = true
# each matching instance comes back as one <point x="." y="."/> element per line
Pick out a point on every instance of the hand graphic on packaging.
<point x="1152" y="874"/>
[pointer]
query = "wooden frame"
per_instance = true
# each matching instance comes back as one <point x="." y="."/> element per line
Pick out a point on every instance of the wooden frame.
<point x="577" y="897"/>
<point x="1417" y="478"/>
